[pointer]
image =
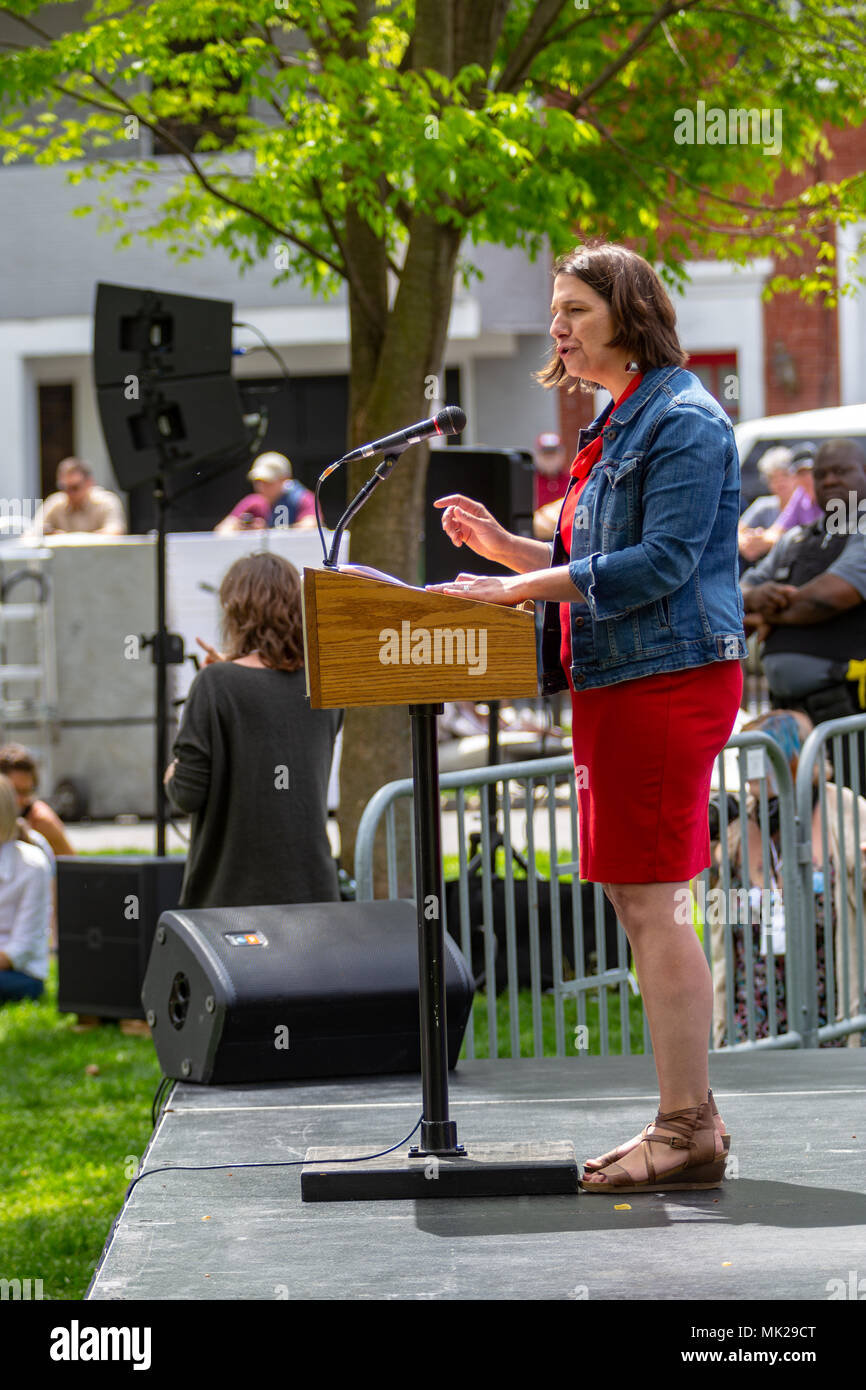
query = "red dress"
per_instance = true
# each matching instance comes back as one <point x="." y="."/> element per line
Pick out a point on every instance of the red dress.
<point x="644" y="751"/>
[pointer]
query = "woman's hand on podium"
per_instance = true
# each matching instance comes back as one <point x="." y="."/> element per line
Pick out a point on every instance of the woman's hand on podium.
<point x="553" y="585"/>
<point x="484" y="588"/>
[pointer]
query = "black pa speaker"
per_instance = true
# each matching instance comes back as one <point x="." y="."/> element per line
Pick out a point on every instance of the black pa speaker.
<point x="502" y="479"/>
<point x="181" y="335"/>
<point x="290" y="992"/>
<point x="188" y="421"/>
<point x="107" y="911"/>
<point x="162" y="370"/>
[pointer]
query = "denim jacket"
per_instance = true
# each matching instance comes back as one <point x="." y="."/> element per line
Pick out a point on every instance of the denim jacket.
<point x="654" y="541"/>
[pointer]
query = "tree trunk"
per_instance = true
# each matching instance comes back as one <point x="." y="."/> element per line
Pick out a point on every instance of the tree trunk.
<point x="393" y="355"/>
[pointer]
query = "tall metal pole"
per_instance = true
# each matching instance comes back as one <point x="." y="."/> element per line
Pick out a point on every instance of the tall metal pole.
<point x="161" y="666"/>
<point x="438" y="1132"/>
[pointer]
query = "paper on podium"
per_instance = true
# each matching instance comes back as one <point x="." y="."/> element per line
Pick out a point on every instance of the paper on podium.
<point x="367" y="572"/>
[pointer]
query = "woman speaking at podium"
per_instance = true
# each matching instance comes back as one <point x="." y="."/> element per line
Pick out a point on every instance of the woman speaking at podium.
<point x="644" y="624"/>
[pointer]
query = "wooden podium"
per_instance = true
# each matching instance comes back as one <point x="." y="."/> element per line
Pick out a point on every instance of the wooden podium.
<point x="372" y="642"/>
<point x="369" y="642"/>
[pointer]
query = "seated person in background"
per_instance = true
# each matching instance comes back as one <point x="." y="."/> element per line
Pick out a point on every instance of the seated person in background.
<point x="252" y="759"/>
<point x="798" y="508"/>
<point x="801" y="508"/>
<point x="278" y="500"/>
<point x="18" y="764"/>
<point x="790" y="729"/>
<point x="775" y="469"/>
<point x="32" y="837"/>
<point x="552" y="476"/>
<point x="25" y="907"/>
<point x="80" y="505"/>
<point x="805" y="598"/>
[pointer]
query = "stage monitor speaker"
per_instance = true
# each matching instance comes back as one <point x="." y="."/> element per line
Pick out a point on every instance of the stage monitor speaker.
<point x="502" y="479"/>
<point x="107" y="911"/>
<point x="178" y="335"/>
<point x="290" y="992"/>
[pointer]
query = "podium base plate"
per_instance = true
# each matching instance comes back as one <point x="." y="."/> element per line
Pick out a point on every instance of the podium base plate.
<point x="487" y="1170"/>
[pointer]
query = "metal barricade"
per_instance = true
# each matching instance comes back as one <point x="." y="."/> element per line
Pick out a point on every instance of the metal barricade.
<point x="754" y="946"/>
<point x="560" y="950"/>
<point x="832" y="822"/>
<point x="762" y="947"/>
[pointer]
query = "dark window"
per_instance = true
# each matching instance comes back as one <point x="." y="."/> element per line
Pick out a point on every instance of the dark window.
<point x="56" y="431"/>
<point x="718" y="373"/>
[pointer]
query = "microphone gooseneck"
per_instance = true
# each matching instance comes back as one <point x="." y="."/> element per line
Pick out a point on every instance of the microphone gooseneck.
<point x="450" y="420"/>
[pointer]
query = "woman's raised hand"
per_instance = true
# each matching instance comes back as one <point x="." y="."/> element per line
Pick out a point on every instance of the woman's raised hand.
<point x="211" y="653"/>
<point x="469" y="523"/>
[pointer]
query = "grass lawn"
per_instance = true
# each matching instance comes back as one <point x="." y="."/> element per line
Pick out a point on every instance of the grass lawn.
<point x="588" y="1044"/>
<point x="69" y="1139"/>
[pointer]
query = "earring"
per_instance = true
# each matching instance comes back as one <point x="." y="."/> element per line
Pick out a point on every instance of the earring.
<point x="632" y="368"/>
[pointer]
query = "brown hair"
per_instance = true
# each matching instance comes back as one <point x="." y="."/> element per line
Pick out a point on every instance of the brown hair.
<point x="73" y="465"/>
<point x="644" y="319"/>
<point x="261" y="602"/>
<point x="14" y="757"/>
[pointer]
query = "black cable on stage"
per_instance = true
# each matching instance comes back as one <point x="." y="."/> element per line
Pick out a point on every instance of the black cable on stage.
<point x="158" y="1099"/>
<point x="276" y="1163"/>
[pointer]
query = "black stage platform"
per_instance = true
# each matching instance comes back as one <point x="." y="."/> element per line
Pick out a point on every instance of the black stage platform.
<point x="790" y="1220"/>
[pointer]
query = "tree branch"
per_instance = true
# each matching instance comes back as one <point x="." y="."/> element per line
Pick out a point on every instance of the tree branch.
<point x="638" y="42"/>
<point x="782" y="209"/>
<point x="531" y="42"/>
<point x="803" y="46"/>
<point x="186" y="154"/>
<point x="350" y="275"/>
<point x="751" y="232"/>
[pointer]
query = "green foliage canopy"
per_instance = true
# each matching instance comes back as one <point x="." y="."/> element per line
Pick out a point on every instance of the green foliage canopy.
<point x="513" y="122"/>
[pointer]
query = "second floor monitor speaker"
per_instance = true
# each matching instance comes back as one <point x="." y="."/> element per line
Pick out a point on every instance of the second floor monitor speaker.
<point x="502" y="479"/>
<point x="291" y="992"/>
<point x="107" y="910"/>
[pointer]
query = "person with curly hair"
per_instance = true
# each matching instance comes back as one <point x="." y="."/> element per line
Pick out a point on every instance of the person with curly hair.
<point x="252" y="760"/>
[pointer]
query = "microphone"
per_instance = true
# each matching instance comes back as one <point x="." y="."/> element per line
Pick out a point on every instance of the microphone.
<point x="451" y="420"/>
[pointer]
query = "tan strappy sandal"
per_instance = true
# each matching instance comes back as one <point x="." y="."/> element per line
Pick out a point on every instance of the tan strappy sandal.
<point x="702" y="1165"/>
<point x="595" y="1165"/>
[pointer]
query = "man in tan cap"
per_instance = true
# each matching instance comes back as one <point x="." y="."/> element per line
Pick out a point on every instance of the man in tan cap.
<point x="279" y="499"/>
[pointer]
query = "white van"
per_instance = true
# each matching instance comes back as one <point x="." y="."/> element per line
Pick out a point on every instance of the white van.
<point x="755" y="437"/>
